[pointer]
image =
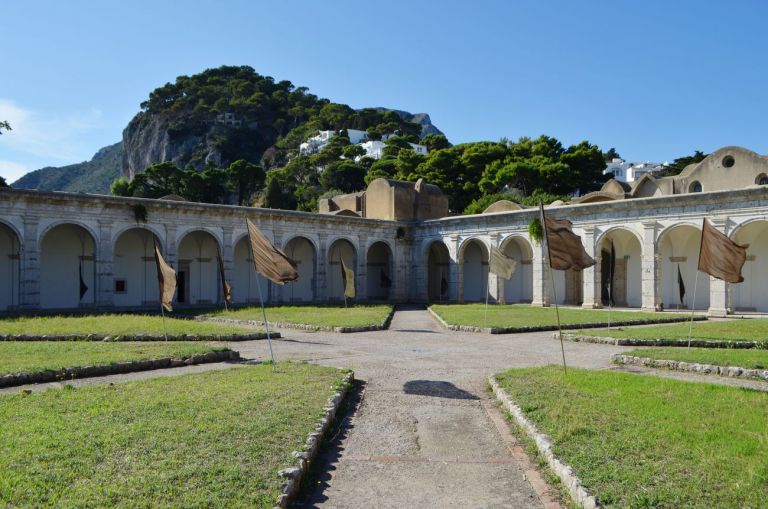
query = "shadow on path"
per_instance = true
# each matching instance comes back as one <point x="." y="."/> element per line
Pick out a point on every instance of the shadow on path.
<point x="321" y="471"/>
<point x="436" y="388"/>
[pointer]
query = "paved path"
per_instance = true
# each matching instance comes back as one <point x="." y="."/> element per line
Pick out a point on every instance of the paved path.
<point x="425" y="433"/>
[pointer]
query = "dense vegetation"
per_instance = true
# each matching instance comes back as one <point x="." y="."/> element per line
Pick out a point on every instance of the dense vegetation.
<point x="92" y="176"/>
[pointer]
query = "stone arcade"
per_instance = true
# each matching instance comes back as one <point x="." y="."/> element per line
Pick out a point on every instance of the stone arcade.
<point x="50" y="241"/>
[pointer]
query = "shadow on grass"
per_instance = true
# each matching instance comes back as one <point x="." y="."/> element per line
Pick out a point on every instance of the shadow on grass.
<point x="314" y="485"/>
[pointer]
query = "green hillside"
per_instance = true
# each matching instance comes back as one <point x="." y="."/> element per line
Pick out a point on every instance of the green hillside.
<point x="94" y="176"/>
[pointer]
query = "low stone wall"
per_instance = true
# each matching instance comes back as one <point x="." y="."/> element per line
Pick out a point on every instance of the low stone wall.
<point x="305" y="457"/>
<point x="301" y="326"/>
<point x="546" y="328"/>
<point x="57" y="375"/>
<point x="139" y="337"/>
<point x="692" y="367"/>
<point x="580" y="496"/>
<point x="698" y="343"/>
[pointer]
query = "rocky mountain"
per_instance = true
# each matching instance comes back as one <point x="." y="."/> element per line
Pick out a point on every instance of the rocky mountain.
<point x="94" y="176"/>
<point x="215" y="118"/>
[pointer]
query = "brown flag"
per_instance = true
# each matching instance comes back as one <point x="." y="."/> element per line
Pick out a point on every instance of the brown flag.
<point x="501" y="264"/>
<point x="166" y="277"/>
<point x="348" y="278"/>
<point x="224" y="284"/>
<point x="269" y="261"/>
<point x="564" y="247"/>
<point x="719" y="256"/>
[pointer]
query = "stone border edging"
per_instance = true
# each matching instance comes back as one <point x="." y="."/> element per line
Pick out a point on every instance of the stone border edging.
<point x="545" y="328"/>
<point x="578" y="493"/>
<point x="692" y="367"/>
<point x="302" y="326"/>
<point x="698" y="343"/>
<point x="139" y="337"/>
<point x="304" y="458"/>
<point x="57" y="375"/>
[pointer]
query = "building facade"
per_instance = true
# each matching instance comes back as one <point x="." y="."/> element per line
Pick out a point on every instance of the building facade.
<point x="62" y="251"/>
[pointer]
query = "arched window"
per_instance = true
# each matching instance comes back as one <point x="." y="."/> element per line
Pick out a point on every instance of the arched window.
<point x="695" y="187"/>
<point x="762" y="180"/>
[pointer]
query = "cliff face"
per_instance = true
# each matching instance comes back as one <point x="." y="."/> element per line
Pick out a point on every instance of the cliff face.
<point x="153" y="138"/>
<point x="197" y="142"/>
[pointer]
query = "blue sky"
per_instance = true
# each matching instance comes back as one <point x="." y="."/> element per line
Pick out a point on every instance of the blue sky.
<point x="656" y="80"/>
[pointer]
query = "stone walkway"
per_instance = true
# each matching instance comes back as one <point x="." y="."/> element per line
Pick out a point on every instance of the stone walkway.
<point x="423" y="432"/>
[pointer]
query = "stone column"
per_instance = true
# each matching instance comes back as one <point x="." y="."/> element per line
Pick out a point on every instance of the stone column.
<point x="494" y="281"/>
<point x="321" y="282"/>
<point x="591" y="275"/>
<point x="455" y="293"/>
<point x="275" y="293"/>
<point x="227" y="256"/>
<point x="361" y="271"/>
<point x="104" y="251"/>
<point x="170" y="246"/>
<point x="30" y="265"/>
<point x="541" y="280"/>
<point x="718" y="289"/>
<point x="650" y="266"/>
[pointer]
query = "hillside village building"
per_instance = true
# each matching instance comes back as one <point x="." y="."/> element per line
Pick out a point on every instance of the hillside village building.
<point x="373" y="148"/>
<point x="397" y="241"/>
<point x="630" y="172"/>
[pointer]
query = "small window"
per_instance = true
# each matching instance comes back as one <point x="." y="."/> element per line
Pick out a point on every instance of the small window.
<point x="728" y="161"/>
<point x="121" y="286"/>
<point x="695" y="187"/>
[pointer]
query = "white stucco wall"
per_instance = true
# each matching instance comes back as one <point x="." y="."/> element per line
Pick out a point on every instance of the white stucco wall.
<point x="67" y="251"/>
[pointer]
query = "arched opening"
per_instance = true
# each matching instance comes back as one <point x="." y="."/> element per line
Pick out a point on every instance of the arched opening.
<point x="761" y="180"/>
<point x="341" y="249"/>
<point x="10" y="268"/>
<point x="695" y="187"/>
<point x="379" y="271"/>
<point x="568" y="286"/>
<point x="438" y="274"/>
<point x="197" y="270"/>
<point x="752" y="293"/>
<point x="520" y="287"/>
<point x="245" y="280"/>
<point x="627" y="290"/>
<point x="67" y="268"/>
<point x="474" y="271"/>
<point x="302" y="251"/>
<point x="679" y="249"/>
<point x="135" y="270"/>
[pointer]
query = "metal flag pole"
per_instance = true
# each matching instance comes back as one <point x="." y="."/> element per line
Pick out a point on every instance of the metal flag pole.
<point x="162" y="308"/>
<point x="162" y="312"/>
<point x="264" y="316"/>
<point x="693" y="308"/>
<point x="696" y="283"/>
<point x="261" y="299"/>
<point x="554" y="288"/>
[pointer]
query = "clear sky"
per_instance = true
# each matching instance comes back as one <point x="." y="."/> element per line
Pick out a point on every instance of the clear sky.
<point x="654" y="79"/>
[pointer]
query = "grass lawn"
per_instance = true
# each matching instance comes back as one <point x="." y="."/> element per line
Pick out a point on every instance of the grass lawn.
<point x="524" y="315"/>
<point x="324" y="316"/>
<point x="750" y="359"/>
<point x="16" y="356"/>
<point x="214" y="439"/>
<point x="639" y="441"/>
<point x="747" y="329"/>
<point x="110" y="325"/>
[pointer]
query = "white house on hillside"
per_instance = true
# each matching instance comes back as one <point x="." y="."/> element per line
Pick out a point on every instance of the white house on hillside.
<point x="630" y="172"/>
<point x="373" y="148"/>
